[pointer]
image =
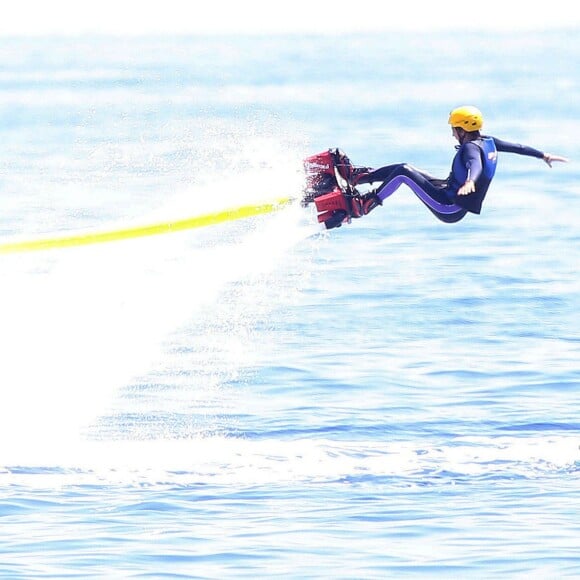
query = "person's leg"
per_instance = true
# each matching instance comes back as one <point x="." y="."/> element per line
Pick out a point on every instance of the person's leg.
<point x="381" y="174"/>
<point x="422" y="185"/>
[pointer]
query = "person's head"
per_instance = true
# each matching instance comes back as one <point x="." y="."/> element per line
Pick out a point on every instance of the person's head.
<point x="466" y="122"/>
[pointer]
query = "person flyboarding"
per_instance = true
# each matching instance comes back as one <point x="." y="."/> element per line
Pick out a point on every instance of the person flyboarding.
<point x="449" y="199"/>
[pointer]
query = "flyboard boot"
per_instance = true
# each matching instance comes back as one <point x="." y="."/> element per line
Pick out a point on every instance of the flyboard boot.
<point x="330" y="179"/>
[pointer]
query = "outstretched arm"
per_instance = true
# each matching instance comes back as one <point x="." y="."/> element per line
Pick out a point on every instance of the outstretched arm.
<point x="526" y="150"/>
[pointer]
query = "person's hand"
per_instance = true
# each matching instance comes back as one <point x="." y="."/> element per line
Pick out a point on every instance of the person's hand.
<point x="467" y="188"/>
<point x="549" y="159"/>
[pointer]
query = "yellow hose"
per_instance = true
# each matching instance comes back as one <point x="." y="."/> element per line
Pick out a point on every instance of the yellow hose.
<point x="83" y="239"/>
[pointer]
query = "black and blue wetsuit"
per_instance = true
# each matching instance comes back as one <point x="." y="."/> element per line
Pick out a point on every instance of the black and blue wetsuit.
<point x="475" y="160"/>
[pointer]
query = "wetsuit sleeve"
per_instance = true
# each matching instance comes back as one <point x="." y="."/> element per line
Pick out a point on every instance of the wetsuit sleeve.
<point x="508" y="147"/>
<point x="472" y="161"/>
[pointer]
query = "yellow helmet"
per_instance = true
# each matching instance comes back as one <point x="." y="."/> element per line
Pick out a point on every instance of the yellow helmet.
<point x="467" y="118"/>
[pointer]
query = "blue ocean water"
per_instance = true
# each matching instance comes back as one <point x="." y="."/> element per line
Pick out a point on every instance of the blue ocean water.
<point x="395" y="398"/>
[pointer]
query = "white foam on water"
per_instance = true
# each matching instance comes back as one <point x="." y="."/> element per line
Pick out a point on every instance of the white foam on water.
<point x="78" y="324"/>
